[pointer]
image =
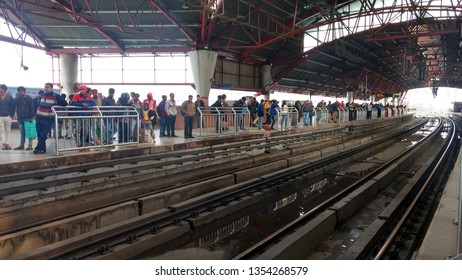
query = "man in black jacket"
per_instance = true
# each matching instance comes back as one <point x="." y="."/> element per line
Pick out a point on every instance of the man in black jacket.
<point x="199" y="105"/>
<point x="216" y="109"/>
<point x="25" y="111"/>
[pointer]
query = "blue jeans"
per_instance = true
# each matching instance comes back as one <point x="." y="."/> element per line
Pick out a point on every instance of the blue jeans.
<point x="23" y="133"/>
<point x="171" y="125"/>
<point x="163" y="125"/>
<point x="188" y="126"/>
<point x="260" y="122"/>
<point x="240" y="122"/>
<point x="306" y="118"/>
<point x="198" y="117"/>
<point x="108" y="132"/>
<point x="43" y="128"/>
<point x="283" y="121"/>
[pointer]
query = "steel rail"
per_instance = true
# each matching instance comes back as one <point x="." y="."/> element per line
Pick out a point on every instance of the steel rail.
<point x="386" y="245"/>
<point x="117" y="238"/>
<point x="310" y="214"/>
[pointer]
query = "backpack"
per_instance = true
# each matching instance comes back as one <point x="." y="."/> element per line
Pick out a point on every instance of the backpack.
<point x="159" y="109"/>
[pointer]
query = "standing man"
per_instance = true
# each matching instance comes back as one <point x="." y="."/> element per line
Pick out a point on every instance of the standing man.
<point x="134" y="126"/>
<point x="84" y="100"/>
<point x="24" y="106"/>
<point x="108" y="131"/>
<point x="163" y="115"/>
<point x="369" y="110"/>
<point x="6" y="116"/>
<point x="199" y="104"/>
<point x="216" y="109"/>
<point x="172" y="112"/>
<point x="45" y="117"/>
<point x="253" y="107"/>
<point x="188" y="111"/>
<point x="239" y="107"/>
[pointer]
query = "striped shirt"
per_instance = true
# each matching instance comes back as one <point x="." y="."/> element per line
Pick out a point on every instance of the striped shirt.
<point x="48" y="100"/>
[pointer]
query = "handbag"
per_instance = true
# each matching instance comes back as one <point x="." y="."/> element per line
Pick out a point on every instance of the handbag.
<point x="30" y="129"/>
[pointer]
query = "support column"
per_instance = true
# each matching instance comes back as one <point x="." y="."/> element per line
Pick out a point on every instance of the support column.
<point x="372" y="98"/>
<point x="203" y="64"/>
<point x="349" y="96"/>
<point x="267" y="80"/>
<point x="69" y="72"/>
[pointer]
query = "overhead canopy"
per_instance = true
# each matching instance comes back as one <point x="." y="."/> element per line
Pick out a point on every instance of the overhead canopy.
<point x="361" y="46"/>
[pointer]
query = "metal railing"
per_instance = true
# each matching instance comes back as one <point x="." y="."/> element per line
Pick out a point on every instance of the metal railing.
<point x="95" y="127"/>
<point x="112" y="126"/>
<point x="287" y="118"/>
<point x="219" y="121"/>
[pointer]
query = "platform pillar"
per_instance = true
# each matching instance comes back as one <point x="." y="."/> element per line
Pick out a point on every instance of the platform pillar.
<point x="372" y="98"/>
<point x="69" y="72"/>
<point x="203" y="64"/>
<point x="267" y="81"/>
<point x="349" y="96"/>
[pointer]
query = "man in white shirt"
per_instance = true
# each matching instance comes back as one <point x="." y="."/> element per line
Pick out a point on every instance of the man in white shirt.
<point x="172" y="112"/>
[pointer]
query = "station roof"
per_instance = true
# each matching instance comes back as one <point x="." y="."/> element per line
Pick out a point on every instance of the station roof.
<point x="361" y="46"/>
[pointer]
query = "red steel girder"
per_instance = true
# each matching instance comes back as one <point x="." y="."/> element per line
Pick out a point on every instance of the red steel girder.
<point x="29" y="29"/>
<point x="19" y="42"/>
<point x="174" y="21"/>
<point x="412" y="35"/>
<point x="184" y="49"/>
<point x="71" y="9"/>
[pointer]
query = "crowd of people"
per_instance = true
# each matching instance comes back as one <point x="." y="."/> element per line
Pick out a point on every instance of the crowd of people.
<point x="263" y="115"/>
<point x="39" y="112"/>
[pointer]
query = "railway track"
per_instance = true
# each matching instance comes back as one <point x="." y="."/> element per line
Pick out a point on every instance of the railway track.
<point x="395" y="230"/>
<point x="163" y="216"/>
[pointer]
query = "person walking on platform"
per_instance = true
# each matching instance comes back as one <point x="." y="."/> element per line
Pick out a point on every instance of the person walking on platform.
<point x="6" y="116"/>
<point x="172" y="112"/>
<point x="24" y="106"/>
<point x="44" y="117"/>
<point x="188" y="111"/>
<point x="163" y="115"/>
<point x="199" y="104"/>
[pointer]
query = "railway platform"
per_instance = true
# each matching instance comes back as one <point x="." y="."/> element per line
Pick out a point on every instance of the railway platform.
<point x="440" y="242"/>
<point x="14" y="161"/>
